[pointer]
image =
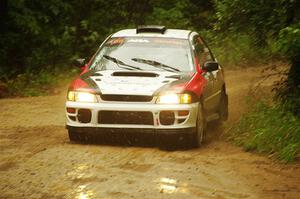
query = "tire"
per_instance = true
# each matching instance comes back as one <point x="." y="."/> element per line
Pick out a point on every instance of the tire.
<point x="223" y="107"/>
<point x="200" y="134"/>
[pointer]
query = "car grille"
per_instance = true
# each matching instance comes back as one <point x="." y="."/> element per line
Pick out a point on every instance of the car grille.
<point x="125" y="117"/>
<point x="127" y="98"/>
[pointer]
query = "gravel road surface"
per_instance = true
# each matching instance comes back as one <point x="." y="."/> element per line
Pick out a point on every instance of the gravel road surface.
<point x="38" y="161"/>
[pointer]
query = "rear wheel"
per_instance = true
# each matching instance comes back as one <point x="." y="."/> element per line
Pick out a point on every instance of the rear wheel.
<point x="223" y="107"/>
<point x="199" y="136"/>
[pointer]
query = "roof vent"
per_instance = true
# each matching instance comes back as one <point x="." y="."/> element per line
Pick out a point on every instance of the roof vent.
<point x="151" y="29"/>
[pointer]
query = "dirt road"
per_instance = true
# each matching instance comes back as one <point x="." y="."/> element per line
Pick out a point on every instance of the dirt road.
<point x="38" y="161"/>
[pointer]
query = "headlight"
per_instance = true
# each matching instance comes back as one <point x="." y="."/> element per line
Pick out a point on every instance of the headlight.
<point x="79" y="96"/>
<point x="174" y="99"/>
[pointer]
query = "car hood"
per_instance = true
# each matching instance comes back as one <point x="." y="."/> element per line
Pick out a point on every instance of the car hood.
<point x="134" y="82"/>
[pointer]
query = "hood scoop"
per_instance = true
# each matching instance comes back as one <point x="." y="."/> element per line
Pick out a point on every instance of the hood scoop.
<point x="134" y="74"/>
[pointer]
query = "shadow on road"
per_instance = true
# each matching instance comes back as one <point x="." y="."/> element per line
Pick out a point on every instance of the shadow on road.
<point x="164" y="142"/>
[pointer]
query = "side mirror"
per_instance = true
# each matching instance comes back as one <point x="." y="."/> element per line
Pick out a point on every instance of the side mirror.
<point x="79" y="63"/>
<point x="210" y="66"/>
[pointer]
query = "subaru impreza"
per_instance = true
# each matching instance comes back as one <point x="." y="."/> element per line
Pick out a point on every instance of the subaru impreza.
<point x="148" y="80"/>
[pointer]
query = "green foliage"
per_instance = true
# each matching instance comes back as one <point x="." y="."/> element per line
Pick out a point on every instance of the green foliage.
<point x="260" y="18"/>
<point x="269" y="129"/>
<point x="237" y="49"/>
<point x="43" y="82"/>
<point x="289" y="45"/>
<point x="289" y="41"/>
<point x="32" y="35"/>
<point x="170" y="17"/>
<point x="262" y="22"/>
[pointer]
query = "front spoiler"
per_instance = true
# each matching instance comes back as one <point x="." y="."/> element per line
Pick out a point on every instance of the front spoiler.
<point x="101" y="130"/>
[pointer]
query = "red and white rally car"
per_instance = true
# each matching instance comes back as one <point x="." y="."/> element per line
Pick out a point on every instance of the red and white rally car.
<point x="151" y="80"/>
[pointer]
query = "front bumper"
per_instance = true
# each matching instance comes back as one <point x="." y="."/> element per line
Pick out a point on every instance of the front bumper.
<point x="95" y="123"/>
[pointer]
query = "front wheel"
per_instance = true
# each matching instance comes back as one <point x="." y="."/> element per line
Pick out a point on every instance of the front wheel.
<point x="73" y="136"/>
<point x="199" y="136"/>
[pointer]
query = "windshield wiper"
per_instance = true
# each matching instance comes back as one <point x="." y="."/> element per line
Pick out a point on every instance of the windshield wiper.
<point x="119" y="62"/>
<point x="156" y="64"/>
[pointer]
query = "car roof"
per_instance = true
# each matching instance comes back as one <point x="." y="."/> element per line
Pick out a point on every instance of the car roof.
<point x="169" y="33"/>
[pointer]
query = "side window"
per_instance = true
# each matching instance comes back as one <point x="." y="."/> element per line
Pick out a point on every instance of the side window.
<point x="202" y="51"/>
<point x="207" y="54"/>
<point x="199" y="50"/>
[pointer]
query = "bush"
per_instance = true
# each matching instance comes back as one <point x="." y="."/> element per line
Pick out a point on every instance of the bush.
<point x="237" y="49"/>
<point x="269" y="129"/>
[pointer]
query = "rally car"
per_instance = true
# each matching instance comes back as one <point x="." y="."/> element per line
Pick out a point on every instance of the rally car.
<point x="148" y="80"/>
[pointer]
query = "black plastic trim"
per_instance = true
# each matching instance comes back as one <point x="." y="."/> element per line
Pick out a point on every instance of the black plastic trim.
<point x="101" y="130"/>
<point x="151" y="29"/>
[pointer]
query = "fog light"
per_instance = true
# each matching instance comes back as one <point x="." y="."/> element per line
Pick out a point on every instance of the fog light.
<point x="84" y="115"/>
<point x="167" y="117"/>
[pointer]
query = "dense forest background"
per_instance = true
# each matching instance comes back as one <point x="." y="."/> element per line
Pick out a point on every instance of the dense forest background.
<point x="36" y="34"/>
<point x="39" y="39"/>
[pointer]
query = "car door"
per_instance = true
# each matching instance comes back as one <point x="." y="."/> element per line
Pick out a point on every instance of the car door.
<point x="208" y="91"/>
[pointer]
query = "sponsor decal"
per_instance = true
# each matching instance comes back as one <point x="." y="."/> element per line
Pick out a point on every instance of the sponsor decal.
<point x="137" y="40"/>
<point x="170" y="41"/>
<point x="115" y="41"/>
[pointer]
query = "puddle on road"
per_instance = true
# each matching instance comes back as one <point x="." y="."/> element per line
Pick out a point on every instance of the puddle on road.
<point x="87" y="176"/>
<point x="79" y="171"/>
<point x="83" y="193"/>
<point x="167" y="185"/>
<point x="79" y="174"/>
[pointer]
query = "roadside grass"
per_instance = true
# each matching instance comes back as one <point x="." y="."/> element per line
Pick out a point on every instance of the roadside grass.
<point x="36" y="83"/>
<point x="269" y="129"/>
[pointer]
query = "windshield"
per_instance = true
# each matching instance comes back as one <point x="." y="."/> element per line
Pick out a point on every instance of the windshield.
<point x="135" y="53"/>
